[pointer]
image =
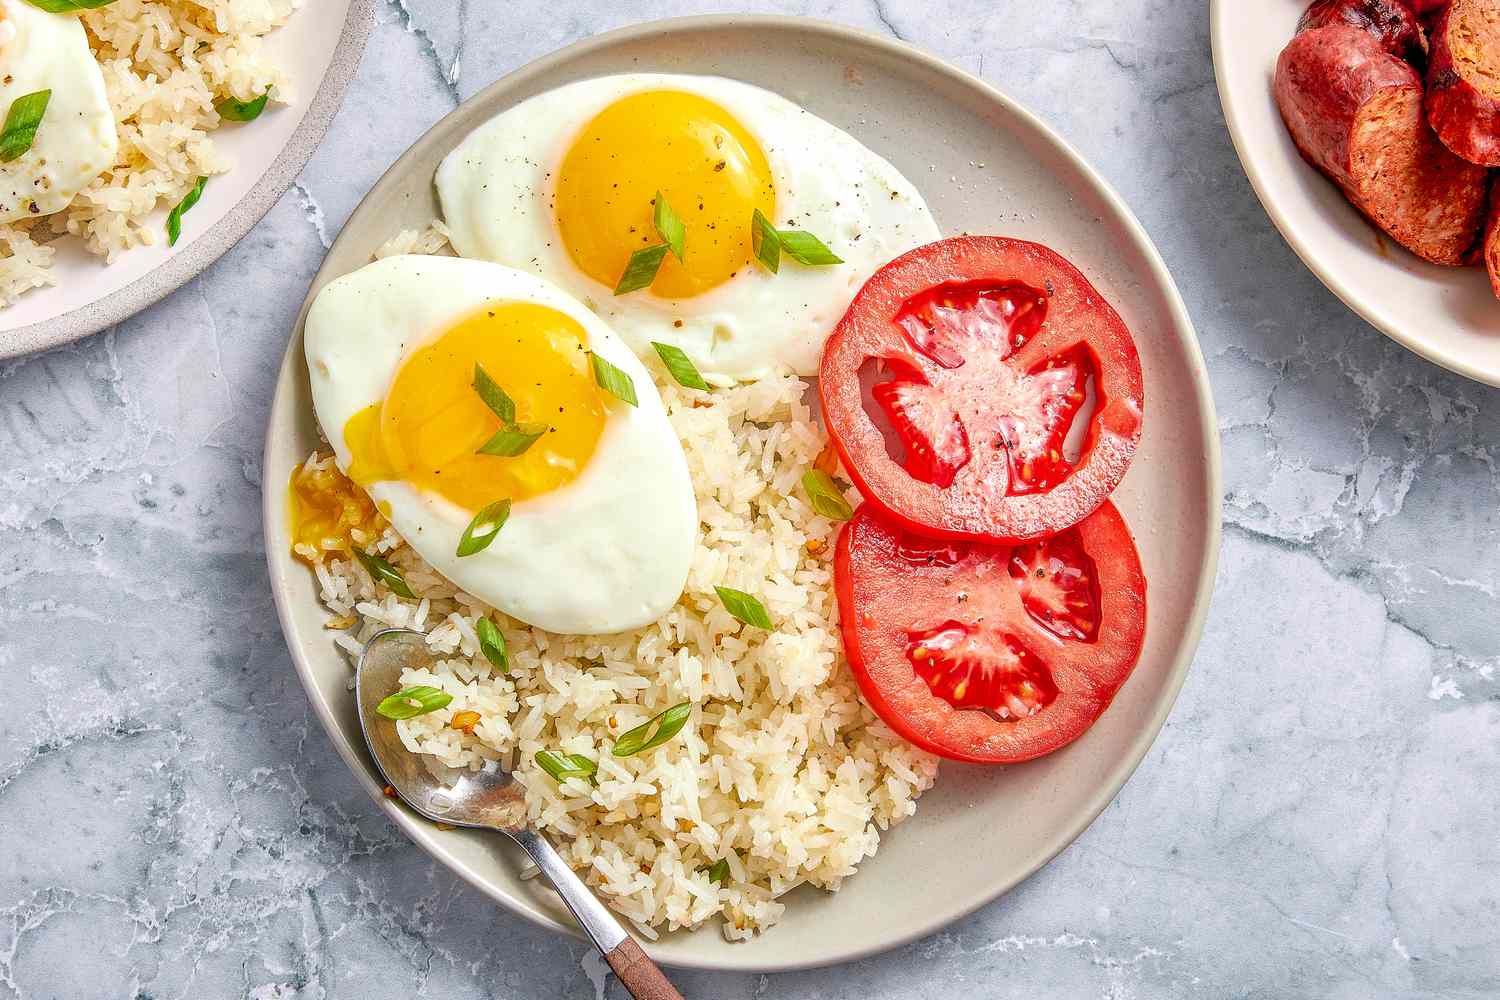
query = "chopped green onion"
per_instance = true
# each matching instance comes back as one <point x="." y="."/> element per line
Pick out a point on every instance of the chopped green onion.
<point x="805" y="248"/>
<point x="68" y="6"/>
<point x="650" y="735"/>
<point x="670" y="226"/>
<point x="242" y="111"/>
<point x="718" y="872"/>
<point x="494" y="397"/>
<point x="513" y="440"/>
<point x="744" y="607"/>
<point x="825" y="496"/>
<point x="612" y="380"/>
<point x="679" y="366"/>
<point x="383" y="572"/>
<point x="641" y="269"/>
<point x="765" y="241"/>
<point x="492" y="644"/>
<point x="21" y="123"/>
<point x="483" y="529"/>
<point x="174" y="219"/>
<point x="413" y="701"/>
<point x="565" y="765"/>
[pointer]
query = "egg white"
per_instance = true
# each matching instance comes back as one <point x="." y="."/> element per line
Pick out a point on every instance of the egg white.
<point x="76" y="140"/>
<point x="608" y="552"/>
<point x="496" y="191"/>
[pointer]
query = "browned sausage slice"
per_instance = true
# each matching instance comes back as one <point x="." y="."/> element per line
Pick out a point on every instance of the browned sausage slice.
<point x="1463" y="80"/>
<point x="1391" y="22"/>
<point x="1491" y="244"/>
<point x="1355" y="112"/>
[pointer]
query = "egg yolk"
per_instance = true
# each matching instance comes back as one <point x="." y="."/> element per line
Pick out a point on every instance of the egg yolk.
<point x="709" y="168"/>
<point x="432" y="423"/>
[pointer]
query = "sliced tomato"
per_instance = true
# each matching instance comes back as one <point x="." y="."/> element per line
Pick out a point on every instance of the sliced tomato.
<point x="986" y="347"/>
<point x="988" y="653"/>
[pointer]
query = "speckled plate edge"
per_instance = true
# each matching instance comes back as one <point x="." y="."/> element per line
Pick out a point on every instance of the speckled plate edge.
<point x="1371" y="311"/>
<point x="428" y="837"/>
<point x="229" y="230"/>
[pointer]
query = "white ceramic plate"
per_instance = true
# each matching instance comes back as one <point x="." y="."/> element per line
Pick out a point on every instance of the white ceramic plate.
<point x="319" y="47"/>
<point x="1447" y="315"/>
<point x="984" y="165"/>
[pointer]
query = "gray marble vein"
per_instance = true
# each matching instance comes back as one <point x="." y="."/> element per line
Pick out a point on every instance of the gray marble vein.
<point x="1320" y="817"/>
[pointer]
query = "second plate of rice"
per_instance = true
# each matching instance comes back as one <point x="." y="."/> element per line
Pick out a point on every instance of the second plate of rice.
<point x="166" y="65"/>
<point x="844" y="838"/>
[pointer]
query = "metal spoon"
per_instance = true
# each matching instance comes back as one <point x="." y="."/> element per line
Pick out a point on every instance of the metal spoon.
<point x="490" y="799"/>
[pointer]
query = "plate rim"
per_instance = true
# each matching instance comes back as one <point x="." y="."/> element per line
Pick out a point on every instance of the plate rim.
<point x="1234" y="111"/>
<point x="428" y="838"/>
<point x="157" y="284"/>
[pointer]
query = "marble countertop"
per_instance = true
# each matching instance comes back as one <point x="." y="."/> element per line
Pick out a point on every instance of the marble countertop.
<point x="1319" y="818"/>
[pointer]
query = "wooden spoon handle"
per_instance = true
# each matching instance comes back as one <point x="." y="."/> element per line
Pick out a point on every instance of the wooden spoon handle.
<point x="639" y="974"/>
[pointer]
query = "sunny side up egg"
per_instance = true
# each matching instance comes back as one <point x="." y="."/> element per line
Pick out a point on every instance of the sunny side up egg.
<point x="76" y="139"/>
<point x="563" y="184"/>
<point x="603" y="521"/>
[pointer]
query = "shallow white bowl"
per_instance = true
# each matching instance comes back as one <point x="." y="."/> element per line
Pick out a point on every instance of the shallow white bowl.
<point x="1447" y="315"/>
<point x="985" y="165"/>
<point x="319" y="47"/>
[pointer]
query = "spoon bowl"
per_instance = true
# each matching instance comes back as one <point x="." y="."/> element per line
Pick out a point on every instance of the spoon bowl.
<point x="490" y="798"/>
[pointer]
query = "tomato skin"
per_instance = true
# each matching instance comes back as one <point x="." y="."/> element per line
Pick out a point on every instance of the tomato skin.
<point x="1078" y="323"/>
<point x="884" y="595"/>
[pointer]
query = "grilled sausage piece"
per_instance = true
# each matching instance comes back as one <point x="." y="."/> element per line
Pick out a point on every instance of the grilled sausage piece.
<point x="1490" y="247"/>
<point x="1391" y="22"/>
<point x="1355" y="112"/>
<point x="1463" y="80"/>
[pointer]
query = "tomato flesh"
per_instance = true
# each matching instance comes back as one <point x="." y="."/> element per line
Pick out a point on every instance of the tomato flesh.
<point x="987" y="347"/>
<point x="986" y="653"/>
<point x="969" y="667"/>
<point x="969" y="330"/>
<point x="1058" y="584"/>
<point x="948" y="322"/>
